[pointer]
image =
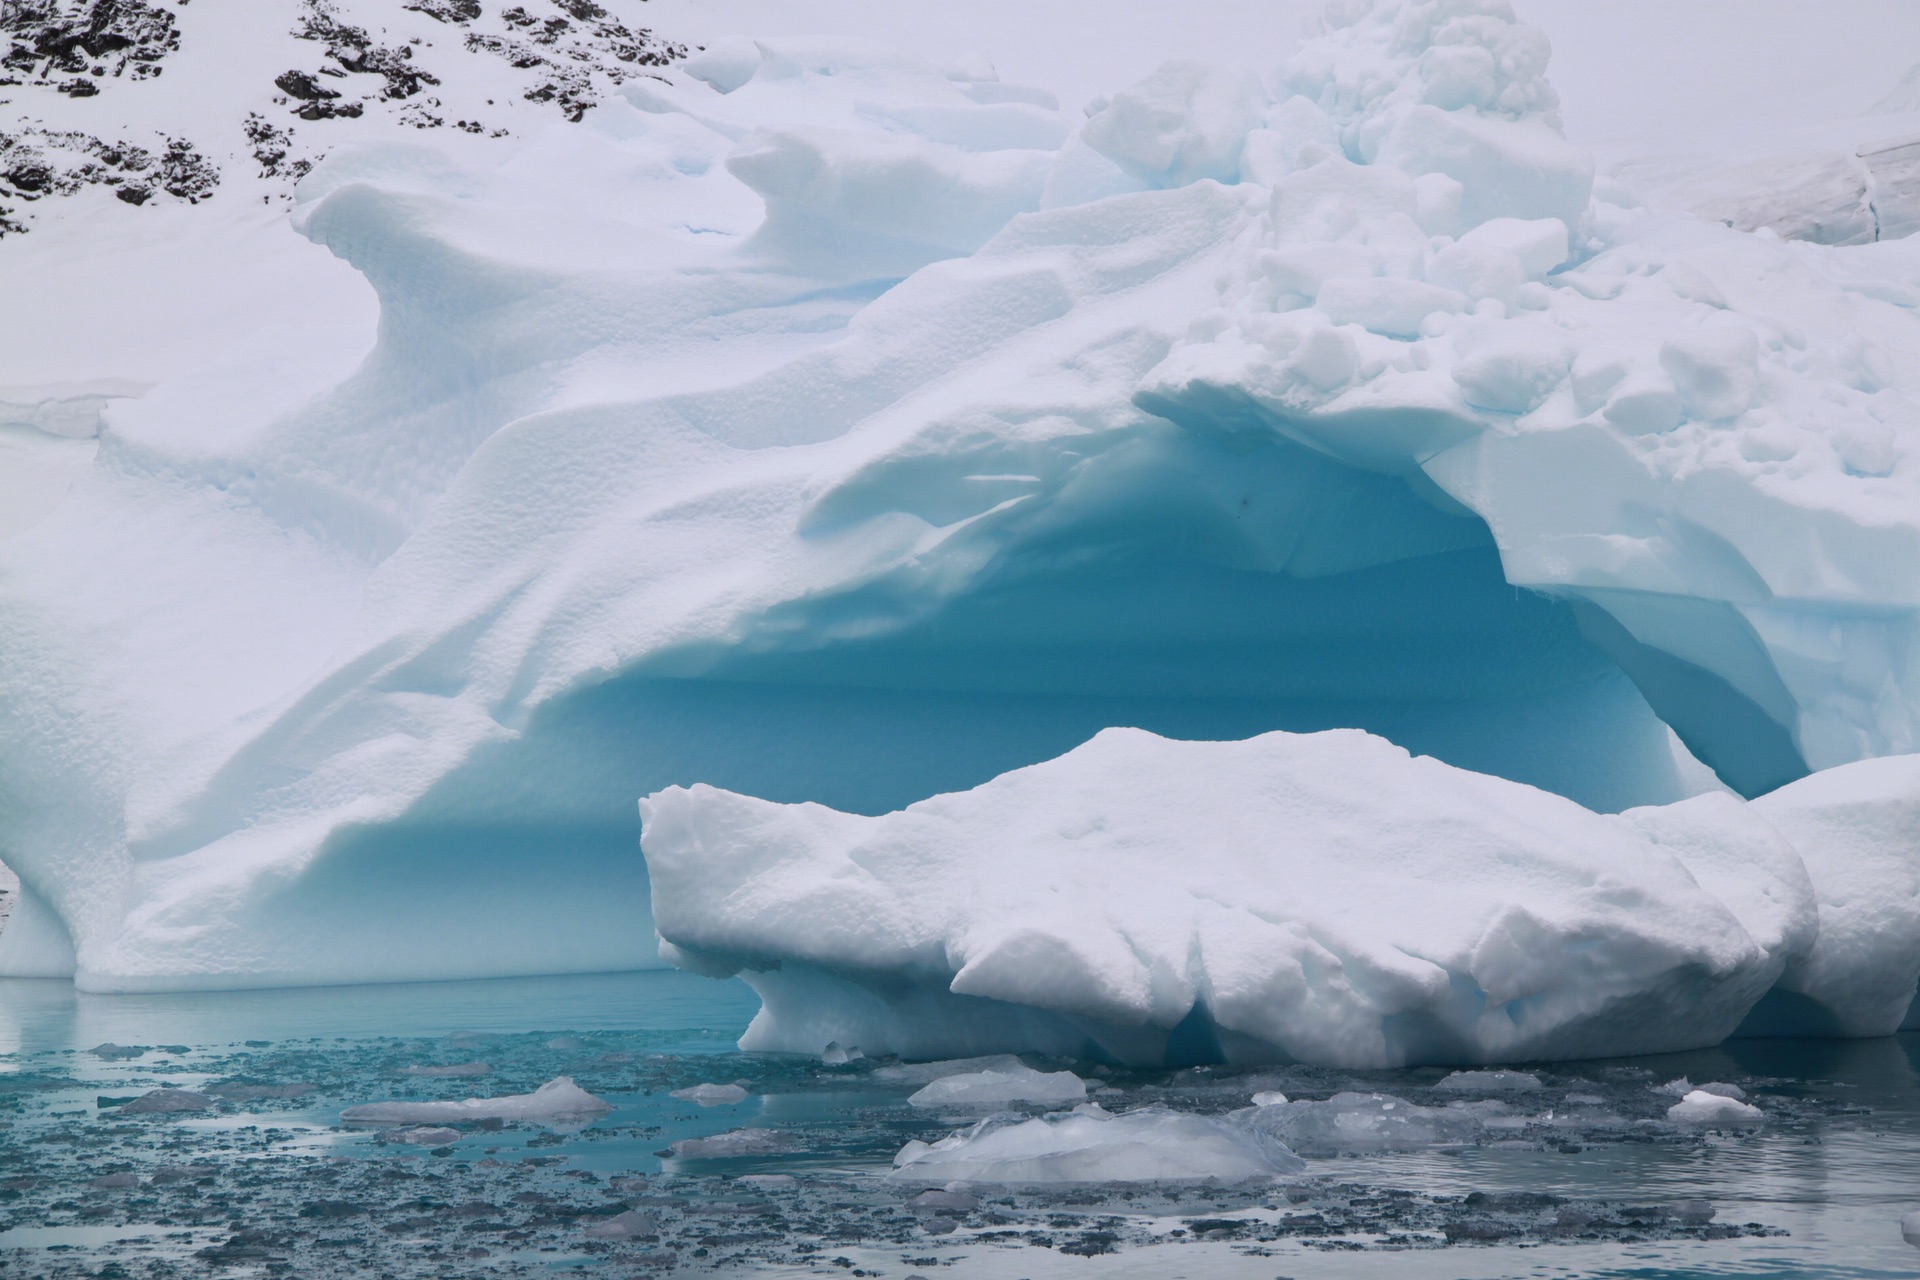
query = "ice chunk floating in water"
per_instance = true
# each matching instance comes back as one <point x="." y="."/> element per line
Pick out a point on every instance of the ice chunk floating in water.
<point x="1090" y="1144"/>
<point x="557" y="1099"/>
<point x="1319" y="898"/>
<point x="823" y="425"/>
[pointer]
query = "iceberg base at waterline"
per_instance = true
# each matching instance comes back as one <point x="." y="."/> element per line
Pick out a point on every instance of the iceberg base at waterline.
<point x="1321" y="898"/>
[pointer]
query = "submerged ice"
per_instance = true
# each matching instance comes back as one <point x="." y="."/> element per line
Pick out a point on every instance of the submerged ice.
<point x="828" y="427"/>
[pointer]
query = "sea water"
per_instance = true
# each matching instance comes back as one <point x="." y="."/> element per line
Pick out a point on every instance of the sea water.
<point x="1582" y="1177"/>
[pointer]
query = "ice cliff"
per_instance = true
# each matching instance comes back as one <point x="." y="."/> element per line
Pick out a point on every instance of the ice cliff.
<point x="826" y="426"/>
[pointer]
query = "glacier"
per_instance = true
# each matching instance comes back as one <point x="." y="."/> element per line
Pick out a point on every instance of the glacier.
<point x="818" y="424"/>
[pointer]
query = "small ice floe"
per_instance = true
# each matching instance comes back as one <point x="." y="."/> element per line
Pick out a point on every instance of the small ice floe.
<point x="1001" y="1086"/>
<point x="839" y="1055"/>
<point x="1694" y="1213"/>
<point x="162" y="1102"/>
<point x="768" y="1181"/>
<point x="712" y="1095"/>
<point x="557" y="1099"/>
<point x="1491" y="1082"/>
<point x="116" y="1182"/>
<point x="168" y="1173"/>
<point x="235" y="1092"/>
<point x="624" y="1226"/>
<point x="1355" y="1123"/>
<point x="455" y="1070"/>
<point x="567" y="1044"/>
<point x="735" y="1142"/>
<point x="1269" y="1098"/>
<point x="119" y="1052"/>
<point x="1701" y="1107"/>
<point x="420" y="1136"/>
<point x="1091" y="1144"/>
<point x="927" y="1072"/>
<point x="952" y="1199"/>
<point x="1910" y="1228"/>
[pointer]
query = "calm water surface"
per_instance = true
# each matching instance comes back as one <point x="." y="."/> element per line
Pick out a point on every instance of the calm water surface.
<point x="1582" y="1178"/>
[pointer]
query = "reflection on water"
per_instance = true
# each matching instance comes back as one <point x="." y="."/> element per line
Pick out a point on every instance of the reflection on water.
<point x="243" y="1163"/>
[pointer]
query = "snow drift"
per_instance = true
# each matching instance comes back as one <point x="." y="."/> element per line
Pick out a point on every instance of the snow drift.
<point x="828" y="426"/>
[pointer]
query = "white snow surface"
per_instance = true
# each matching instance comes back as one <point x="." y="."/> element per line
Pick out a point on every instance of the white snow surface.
<point x="834" y="424"/>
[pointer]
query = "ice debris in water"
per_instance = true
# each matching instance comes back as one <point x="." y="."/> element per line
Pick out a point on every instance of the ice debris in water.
<point x="1701" y="1107"/>
<point x="116" y="1182"/>
<point x="1910" y="1228"/>
<point x="1091" y="1144"/>
<point x="1269" y="1098"/>
<point x="999" y="1086"/>
<point x="1358" y="1123"/>
<point x="423" y="1136"/>
<point x="118" y="1052"/>
<point x="557" y="1099"/>
<point x="455" y="1070"/>
<point x="167" y="1102"/>
<point x="712" y="1095"/>
<point x="236" y="1091"/>
<point x="837" y="1055"/>
<point x="624" y="1226"/>
<point x="735" y="1142"/>
<point x="1491" y="1082"/>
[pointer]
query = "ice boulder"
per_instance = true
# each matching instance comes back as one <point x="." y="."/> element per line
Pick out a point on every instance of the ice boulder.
<point x="1090" y="1144"/>
<point x="1321" y="898"/>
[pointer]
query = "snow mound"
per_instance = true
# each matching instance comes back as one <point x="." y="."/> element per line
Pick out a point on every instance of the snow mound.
<point x="1090" y="1144"/>
<point x="1142" y="897"/>
<point x="994" y="1088"/>
<point x="557" y="1099"/>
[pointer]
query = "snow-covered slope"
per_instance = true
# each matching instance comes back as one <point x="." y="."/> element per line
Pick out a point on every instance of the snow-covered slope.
<point x="825" y="423"/>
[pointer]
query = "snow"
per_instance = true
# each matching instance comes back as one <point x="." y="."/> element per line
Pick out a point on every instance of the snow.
<point x="557" y="1099"/>
<point x="1090" y="1144"/>
<point x="836" y="423"/>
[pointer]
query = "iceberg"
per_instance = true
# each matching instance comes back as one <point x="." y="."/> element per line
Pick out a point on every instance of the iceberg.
<point x="821" y="424"/>
<point x="1324" y="898"/>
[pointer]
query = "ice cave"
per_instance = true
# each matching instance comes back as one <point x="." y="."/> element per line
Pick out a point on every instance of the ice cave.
<point x="1303" y="561"/>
